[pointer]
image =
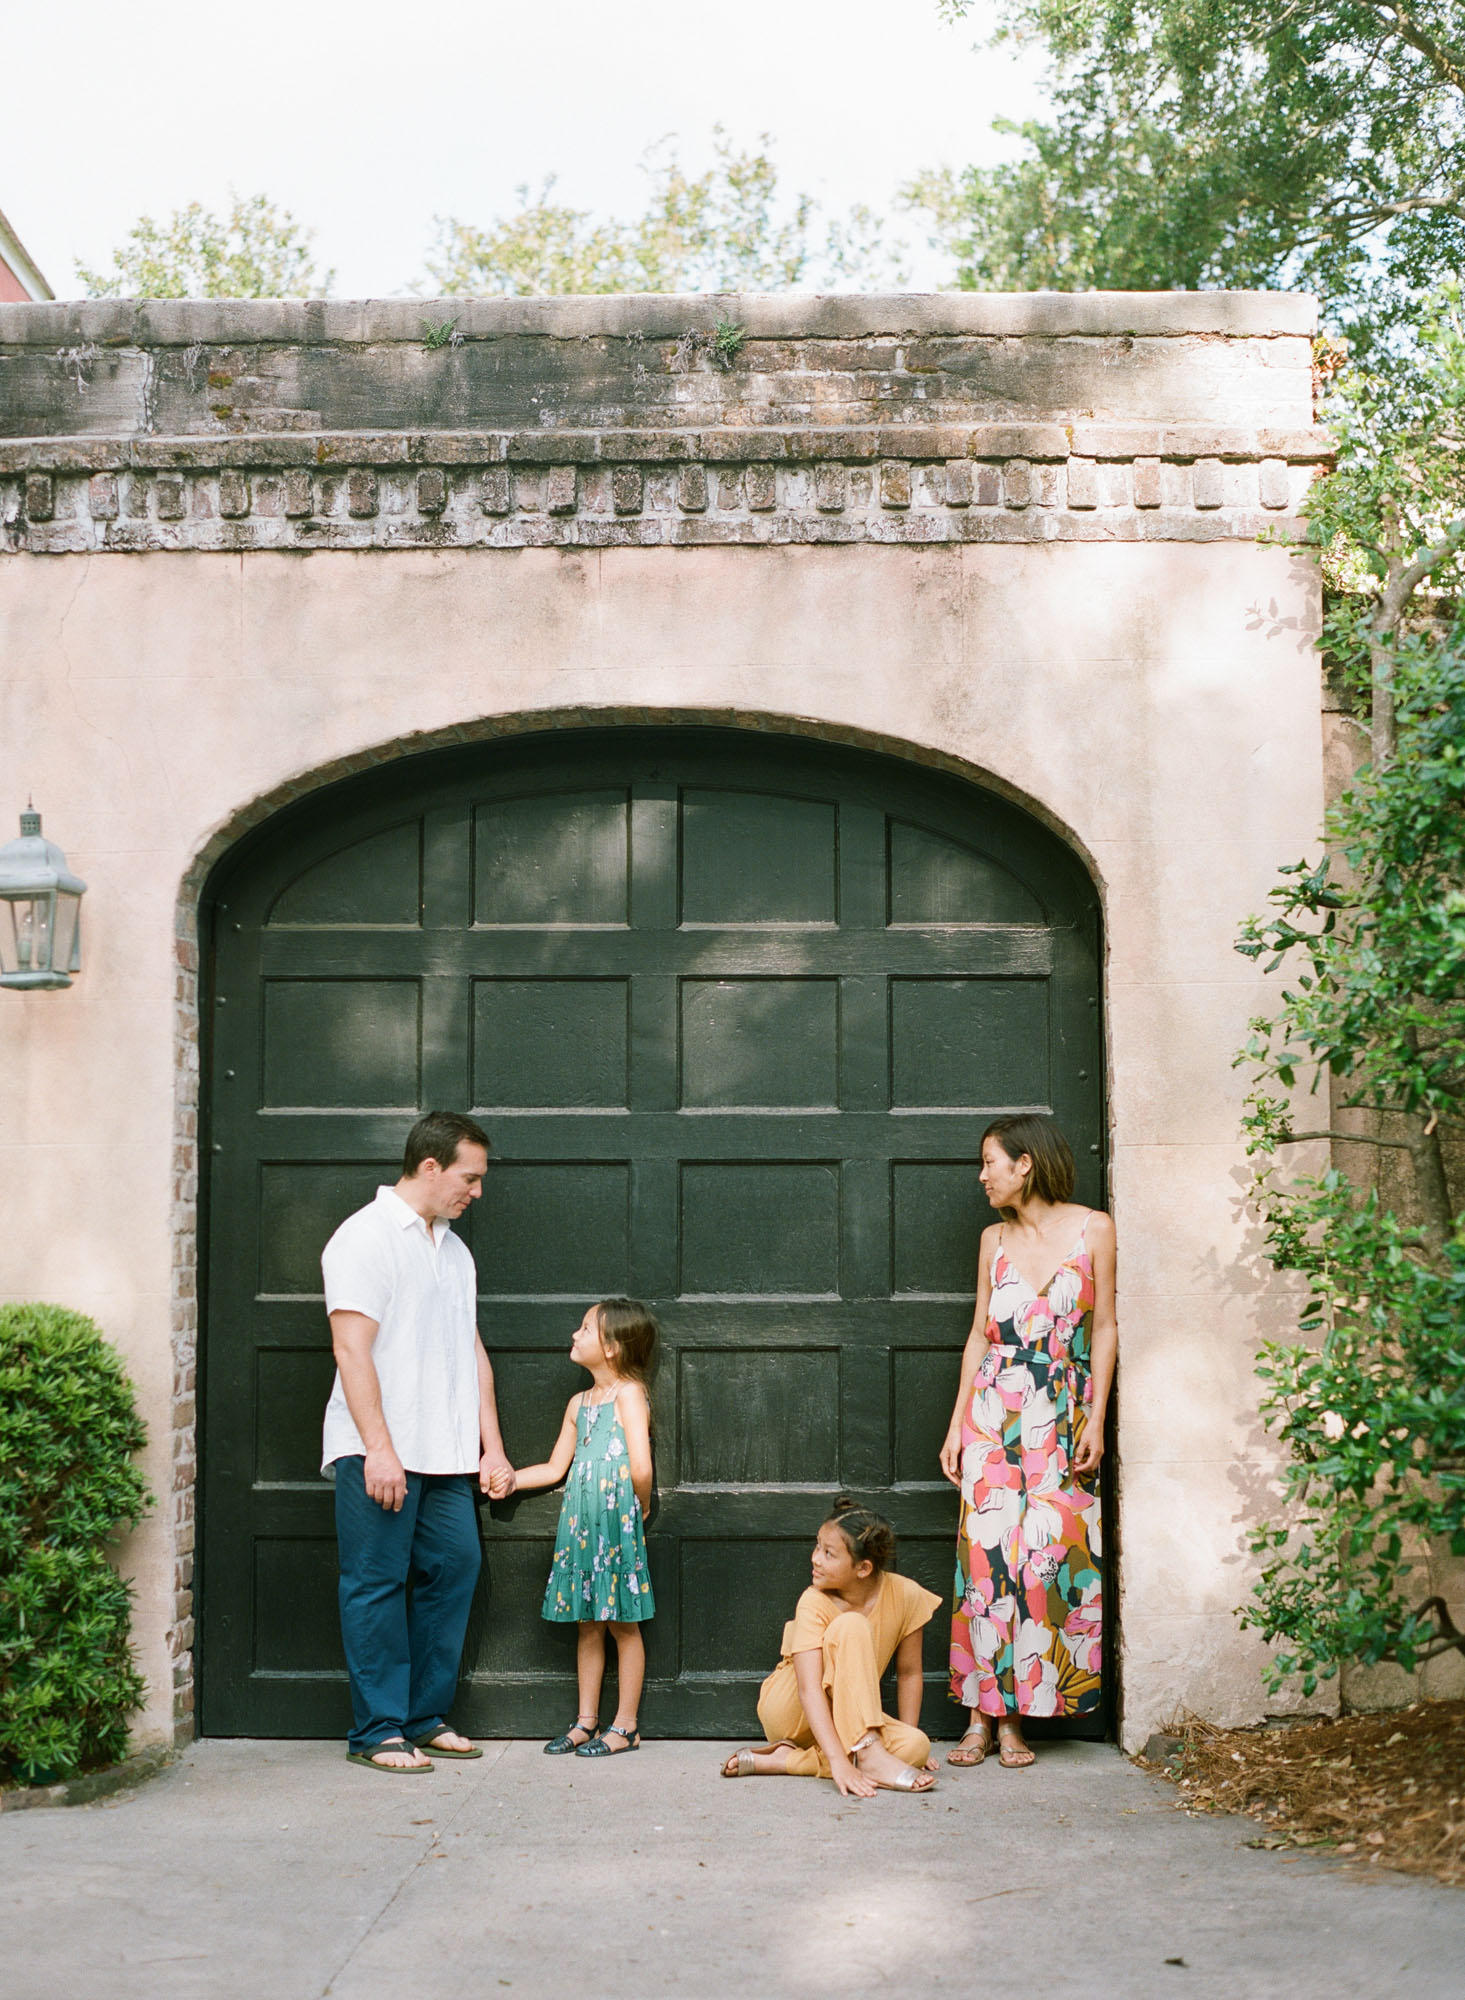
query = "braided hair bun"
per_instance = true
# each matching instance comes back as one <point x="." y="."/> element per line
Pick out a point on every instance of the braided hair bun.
<point x="870" y="1536"/>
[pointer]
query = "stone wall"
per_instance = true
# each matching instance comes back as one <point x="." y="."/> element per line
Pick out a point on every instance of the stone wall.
<point x="246" y="549"/>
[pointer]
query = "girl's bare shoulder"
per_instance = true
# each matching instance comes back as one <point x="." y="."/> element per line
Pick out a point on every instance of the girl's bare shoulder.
<point x="1099" y="1228"/>
<point x="634" y="1393"/>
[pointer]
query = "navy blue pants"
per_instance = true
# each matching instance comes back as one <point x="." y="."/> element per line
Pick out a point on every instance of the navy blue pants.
<point x="403" y="1653"/>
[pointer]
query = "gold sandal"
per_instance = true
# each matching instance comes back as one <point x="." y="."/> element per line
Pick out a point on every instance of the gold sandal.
<point x="965" y="1759"/>
<point x="742" y="1765"/>
<point x="1022" y="1757"/>
<point x="909" y="1779"/>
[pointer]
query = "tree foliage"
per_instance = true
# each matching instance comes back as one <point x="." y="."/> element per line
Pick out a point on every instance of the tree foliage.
<point x="68" y="1432"/>
<point x="1372" y="938"/>
<point x="725" y="230"/>
<point x="256" y="251"/>
<point x="1318" y="143"/>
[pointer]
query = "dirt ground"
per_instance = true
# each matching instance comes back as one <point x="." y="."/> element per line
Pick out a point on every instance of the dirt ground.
<point x="1385" y="1789"/>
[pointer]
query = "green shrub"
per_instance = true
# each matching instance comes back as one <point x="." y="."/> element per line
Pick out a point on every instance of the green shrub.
<point x="68" y="1432"/>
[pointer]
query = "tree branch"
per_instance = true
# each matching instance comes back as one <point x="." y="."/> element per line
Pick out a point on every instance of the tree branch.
<point x="1399" y="586"/>
<point x="1447" y="65"/>
<point x="1450" y="1634"/>
<point x="1350" y="1138"/>
<point x="1360" y="220"/>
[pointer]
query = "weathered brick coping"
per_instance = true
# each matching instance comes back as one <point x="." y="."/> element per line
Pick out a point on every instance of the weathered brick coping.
<point x="728" y="444"/>
<point x="663" y="316"/>
<point x="562" y="489"/>
<point x="592" y="422"/>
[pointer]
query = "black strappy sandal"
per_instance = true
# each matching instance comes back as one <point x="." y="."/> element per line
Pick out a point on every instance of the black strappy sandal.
<point x="563" y="1745"/>
<point x="597" y="1746"/>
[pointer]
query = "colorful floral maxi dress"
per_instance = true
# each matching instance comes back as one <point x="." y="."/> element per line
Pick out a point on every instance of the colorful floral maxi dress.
<point x="599" y="1572"/>
<point x="1026" y="1633"/>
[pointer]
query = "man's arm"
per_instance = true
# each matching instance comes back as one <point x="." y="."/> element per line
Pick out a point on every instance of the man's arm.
<point x="495" y="1474"/>
<point x="352" y="1335"/>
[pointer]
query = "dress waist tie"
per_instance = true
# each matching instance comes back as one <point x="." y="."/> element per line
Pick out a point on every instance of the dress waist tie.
<point x="1064" y="1383"/>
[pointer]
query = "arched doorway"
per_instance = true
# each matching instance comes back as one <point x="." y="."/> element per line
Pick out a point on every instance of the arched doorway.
<point x="734" y="1009"/>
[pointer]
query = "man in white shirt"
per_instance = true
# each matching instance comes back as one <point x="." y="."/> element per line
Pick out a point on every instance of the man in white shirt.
<point x="411" y="1428"/>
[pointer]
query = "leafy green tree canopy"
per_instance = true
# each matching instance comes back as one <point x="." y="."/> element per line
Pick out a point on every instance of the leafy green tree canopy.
<point x="1371" y="940"/>
<point x="256" y="251"/>
<point x="724" y="230"/>
<point x="1194" y="143"/>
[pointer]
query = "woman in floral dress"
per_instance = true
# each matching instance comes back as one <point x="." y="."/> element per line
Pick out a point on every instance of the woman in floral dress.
<point x="1024" y="1446"/>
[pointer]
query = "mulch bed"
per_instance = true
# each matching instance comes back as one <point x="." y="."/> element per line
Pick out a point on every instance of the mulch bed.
<point x="1385" y="1789"/>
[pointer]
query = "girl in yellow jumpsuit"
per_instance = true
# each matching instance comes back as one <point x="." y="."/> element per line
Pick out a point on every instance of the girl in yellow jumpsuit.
<point x="820" y="1707"/>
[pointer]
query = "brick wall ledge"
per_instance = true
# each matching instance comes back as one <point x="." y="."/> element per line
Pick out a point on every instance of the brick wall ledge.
<point x="983" y="482"/>
<point x="525" y="503"/>
<point x="719" y="445"/>
<point x="659" y="316"/>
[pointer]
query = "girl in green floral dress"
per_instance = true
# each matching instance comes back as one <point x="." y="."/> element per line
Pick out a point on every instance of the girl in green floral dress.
<point x="599" y="1576"/>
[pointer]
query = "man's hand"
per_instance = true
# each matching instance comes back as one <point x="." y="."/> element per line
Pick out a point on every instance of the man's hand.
<point x="495" y="1477"/>
<point x="386" y="1482"/>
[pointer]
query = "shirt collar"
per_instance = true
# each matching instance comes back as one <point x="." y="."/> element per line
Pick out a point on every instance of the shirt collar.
<point x="404" y="1214"/>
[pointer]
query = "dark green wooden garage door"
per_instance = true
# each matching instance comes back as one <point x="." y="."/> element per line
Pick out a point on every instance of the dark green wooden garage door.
<point x="734" y="1010"/>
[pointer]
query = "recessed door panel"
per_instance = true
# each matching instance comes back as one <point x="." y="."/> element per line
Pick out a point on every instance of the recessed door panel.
<point x="760" y="1044"/>
<point x="555" y="1044"/>
<point x="552" y="859"/>
<point x="756" y="858"/>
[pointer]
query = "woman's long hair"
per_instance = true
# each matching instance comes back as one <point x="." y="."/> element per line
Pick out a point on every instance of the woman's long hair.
<point x="1050" y="1177"/>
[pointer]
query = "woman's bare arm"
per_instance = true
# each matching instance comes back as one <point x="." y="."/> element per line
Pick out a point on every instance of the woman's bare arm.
<point x="1100" y="1236"/>
<point x="809" y="1673"/>
<point x="972" y="1357"/>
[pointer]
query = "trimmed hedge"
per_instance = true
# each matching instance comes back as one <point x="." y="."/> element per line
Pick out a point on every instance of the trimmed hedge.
<point x="68" y="1431"/>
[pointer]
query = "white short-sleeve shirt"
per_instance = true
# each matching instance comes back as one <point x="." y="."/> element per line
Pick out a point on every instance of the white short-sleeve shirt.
<point x="422" y="1290"/>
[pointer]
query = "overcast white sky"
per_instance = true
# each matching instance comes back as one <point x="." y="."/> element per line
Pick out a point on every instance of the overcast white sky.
<point x="368" y="119"/>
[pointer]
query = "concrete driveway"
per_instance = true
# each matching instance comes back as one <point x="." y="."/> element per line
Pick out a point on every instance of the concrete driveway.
<point x="276" y="1871"/>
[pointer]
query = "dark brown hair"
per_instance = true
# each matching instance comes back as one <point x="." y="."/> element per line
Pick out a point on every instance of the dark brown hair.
<point x="1050" y="1177"/>
<point x="629" y="1333"/>
<point x="870" y="1536"/>
<point x="437" y="1135"/>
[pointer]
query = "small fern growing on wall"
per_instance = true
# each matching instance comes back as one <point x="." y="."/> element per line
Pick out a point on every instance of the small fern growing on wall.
<point x="69" y="1430"/>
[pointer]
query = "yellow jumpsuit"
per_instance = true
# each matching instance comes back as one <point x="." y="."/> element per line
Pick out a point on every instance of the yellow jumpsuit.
<point x="857" y="1648"/>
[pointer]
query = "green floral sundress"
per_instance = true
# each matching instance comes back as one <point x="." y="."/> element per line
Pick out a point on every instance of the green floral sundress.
<point x="599" y="1573"/>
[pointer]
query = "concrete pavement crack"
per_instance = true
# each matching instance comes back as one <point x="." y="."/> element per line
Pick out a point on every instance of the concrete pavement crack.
<point x="432" y="1846"/>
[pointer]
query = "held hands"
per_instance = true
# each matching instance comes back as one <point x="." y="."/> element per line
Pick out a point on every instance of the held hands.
<point x="496" y="1477"/>
<point x="386" y="1482"/>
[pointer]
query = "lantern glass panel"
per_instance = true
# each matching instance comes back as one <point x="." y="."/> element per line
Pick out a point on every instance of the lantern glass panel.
<point x="26" y="934"/>
<point x="66" y="927"/>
